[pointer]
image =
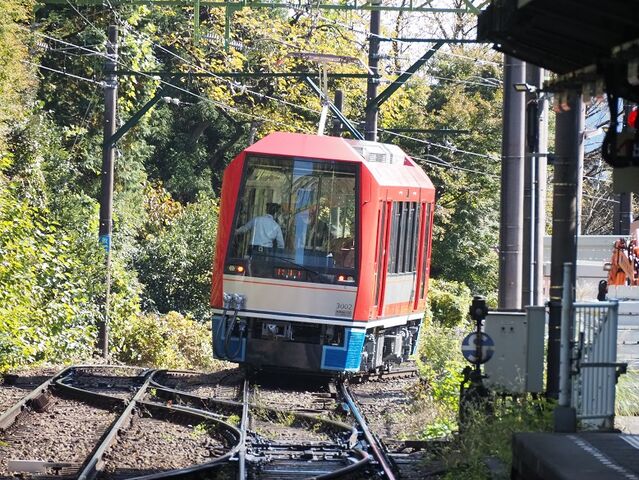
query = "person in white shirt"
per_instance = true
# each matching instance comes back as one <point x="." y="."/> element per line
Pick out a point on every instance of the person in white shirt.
<point x="265" y="230"/>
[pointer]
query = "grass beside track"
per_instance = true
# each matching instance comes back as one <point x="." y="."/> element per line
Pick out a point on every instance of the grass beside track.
<point x="627" y="403"/>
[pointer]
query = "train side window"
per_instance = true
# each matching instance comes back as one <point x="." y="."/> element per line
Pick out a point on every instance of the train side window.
<point x="395" y="214"/>
<point x="415" y="211"/>
<point x="427" y="231"/>
<point x="407" y="233"/>
<point x="404" y="237"/>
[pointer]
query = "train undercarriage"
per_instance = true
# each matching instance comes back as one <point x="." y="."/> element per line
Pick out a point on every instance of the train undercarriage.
<point x="263" y="343"/>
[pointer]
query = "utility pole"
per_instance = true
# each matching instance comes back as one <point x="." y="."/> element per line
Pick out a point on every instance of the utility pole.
<point x="370" y="128"/>
<point x="623" y="209"/>
<point x="108" y="155"/>
<point x="623" y="214"/>
<point x="336" y="129"/>
<point x="512" y="185"/>
<point x="566" y="179"/>
<point x="534" y="188"/>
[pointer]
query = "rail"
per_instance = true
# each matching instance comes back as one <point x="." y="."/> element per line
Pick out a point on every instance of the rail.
<point x="373" y="444"/>
<point x="353" y="449"/>
<point x="64" y="385"/>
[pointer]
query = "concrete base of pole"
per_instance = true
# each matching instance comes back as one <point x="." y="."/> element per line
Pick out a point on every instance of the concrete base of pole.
<point x="565" y="419"/>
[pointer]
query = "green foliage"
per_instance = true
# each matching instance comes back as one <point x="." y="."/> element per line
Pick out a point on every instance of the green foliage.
<point x="16" y="78"/>
<point x="490" y="435"/>
<point x="46" y="309"/>
<point x="448" y="302"/>
<point x="169" y="166"/>
<point x="175" y="264"/>
<point x="165" y="341"/>
<point x="467" y="214"/>
<point x="440" y="363"/>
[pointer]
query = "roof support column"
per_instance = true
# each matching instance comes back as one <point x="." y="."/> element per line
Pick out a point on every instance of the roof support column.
<point x="534" y="188"/>
<point x="568" y="159"/>
<point x="512" y="186"/>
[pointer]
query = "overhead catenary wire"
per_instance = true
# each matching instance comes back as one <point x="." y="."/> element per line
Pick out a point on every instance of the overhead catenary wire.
<point x="246" y="114"/>
<point x="229" y="108"/>
<point x="437" y="163"/>
<point x="447" y="165"/>
<point x="166" y="83"/>
<point x="439" y="145"/>
<point x="440" y="163"/>
<point x="383" y="37"/>
<point x="232" y="84"/>
<point x="62" y="72"/>
<point x="82" y="16"/>
<point x="219" y="104"/>
<point x="446" y="79"/>
<point x="64" y="42"/>
<point x="129" y="29"/>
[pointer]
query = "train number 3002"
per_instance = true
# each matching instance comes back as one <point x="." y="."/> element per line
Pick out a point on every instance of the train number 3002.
<point x="344" y="309"/>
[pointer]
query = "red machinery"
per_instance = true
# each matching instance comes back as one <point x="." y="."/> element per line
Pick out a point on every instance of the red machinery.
<point x="322" y="254"/>
<point x="624" y="264"/>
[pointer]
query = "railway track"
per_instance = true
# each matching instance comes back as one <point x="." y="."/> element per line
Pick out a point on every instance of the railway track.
<point x="89" y="422"/>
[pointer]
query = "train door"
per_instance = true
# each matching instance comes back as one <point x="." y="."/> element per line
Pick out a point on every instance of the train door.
<point x="383" y="232"/>
<point x="412" y="242"/>
<point x="424" y="255"/>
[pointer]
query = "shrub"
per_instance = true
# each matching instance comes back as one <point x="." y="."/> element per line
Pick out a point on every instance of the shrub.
<point x="628" y="394"/>
<point x="175" y="264"/>
<point x="440" y="363"/>
<point x="166" y="341"/>
<point x="487" y="436"/>
<point x="448" y="302"/>
<point x="47" y="312"/>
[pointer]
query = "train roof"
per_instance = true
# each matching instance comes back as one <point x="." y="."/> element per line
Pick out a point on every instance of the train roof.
<point x="388" y="163"/>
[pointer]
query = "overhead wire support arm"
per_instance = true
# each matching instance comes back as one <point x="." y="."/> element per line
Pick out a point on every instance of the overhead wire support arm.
<point x="131" y="122"/>
<point x="403" y="78"/>
<point x="345" y="121"/>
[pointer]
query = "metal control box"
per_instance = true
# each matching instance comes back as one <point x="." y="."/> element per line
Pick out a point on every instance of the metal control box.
<point x="518" y="361"/>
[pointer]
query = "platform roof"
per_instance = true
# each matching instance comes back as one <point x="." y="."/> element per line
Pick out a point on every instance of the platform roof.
<point x="560" y="35"/>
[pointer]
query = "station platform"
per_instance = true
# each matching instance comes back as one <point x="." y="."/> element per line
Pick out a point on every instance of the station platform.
<point x="569" y="456"/>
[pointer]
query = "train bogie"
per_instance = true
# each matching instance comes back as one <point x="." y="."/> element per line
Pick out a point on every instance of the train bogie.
<point x="322" y="255"/>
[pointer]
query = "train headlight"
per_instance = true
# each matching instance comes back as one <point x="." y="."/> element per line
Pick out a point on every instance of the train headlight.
<point x="235" y="269"/>
<point x="342" y="277"/>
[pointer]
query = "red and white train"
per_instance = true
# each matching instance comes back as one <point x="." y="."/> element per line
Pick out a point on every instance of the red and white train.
<point x="322" y="255"/>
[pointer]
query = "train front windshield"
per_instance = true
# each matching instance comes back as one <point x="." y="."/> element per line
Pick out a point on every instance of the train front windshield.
<point x="296" y="220"/>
